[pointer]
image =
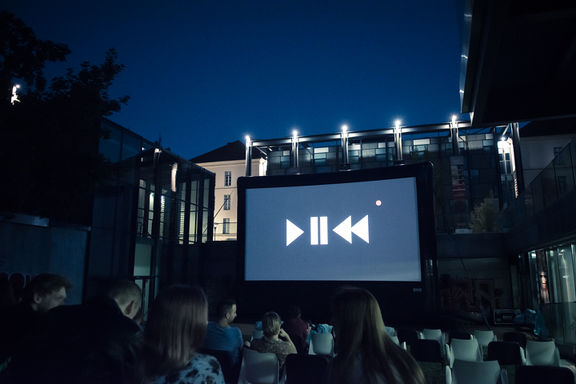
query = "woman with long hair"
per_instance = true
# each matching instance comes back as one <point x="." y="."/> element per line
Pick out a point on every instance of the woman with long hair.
<point x="174" y="331"/>
<point x="365" y="353"/>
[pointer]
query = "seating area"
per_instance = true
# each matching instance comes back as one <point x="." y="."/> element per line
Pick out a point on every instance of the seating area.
<point x="474" y="356"/>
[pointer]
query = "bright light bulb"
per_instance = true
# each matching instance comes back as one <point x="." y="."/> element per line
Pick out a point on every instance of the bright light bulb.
<point x="344" y="128"/>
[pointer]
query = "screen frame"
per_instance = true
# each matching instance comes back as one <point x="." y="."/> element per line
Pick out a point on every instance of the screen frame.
<point x="422" y="291"/>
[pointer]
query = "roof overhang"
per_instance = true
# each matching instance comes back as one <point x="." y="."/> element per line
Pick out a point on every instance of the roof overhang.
<point x="518" y="60"/>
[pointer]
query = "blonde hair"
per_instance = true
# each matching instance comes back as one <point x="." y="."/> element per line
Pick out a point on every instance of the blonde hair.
<point x="271" y="324"/>
<point x="360" y="334"/>
<point x="175" y="329"/>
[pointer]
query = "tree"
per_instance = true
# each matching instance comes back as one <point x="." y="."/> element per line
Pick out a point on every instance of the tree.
<point x="23" y="56"/>
<point x="484" y="217"/>
<point x="50" y="161"/>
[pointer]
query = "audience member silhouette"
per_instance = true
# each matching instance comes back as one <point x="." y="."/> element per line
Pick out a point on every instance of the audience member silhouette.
<point x="174" y="332"/>
<point x="94" y="343"/>
<point x="45" y="291"/>
<point x="297" y="328"/>
<point x="275" y="339"/>
<point x="221" y="336"/>
<point x="365" y="354"/>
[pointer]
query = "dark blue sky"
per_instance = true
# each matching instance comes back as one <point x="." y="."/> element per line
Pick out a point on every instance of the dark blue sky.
<point x="204" y="73"/>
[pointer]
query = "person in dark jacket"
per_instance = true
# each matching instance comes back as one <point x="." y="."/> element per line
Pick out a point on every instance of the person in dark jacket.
<point x="44" y="292"/>
<point x="92" y="343"/>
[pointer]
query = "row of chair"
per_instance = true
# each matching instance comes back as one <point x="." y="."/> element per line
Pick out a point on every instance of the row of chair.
<point x="262" y="368"/>
<point x="490" y="372"/>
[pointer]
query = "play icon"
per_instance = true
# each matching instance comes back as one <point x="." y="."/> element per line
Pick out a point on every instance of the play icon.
<point x="292" y="232"/>
<point x="360" y="229"/>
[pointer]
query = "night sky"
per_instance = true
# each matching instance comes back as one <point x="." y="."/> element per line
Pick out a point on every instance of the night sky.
<point x="203" y="73"/>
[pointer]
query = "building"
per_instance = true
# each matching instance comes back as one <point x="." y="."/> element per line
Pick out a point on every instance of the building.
<point x="517" y="65"/>
<point x="541" y="142"/>
<point x="151" y="214"/>
<point x="146" y="217"/>
<point x="228" y="163"/>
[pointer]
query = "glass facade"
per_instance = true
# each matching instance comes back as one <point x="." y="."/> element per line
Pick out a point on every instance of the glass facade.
<point x="555" y="183"/>
<point x="552" y="288"/>
<point x="153" y="206"/>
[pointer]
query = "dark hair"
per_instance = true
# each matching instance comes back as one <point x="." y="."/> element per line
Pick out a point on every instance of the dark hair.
<point x="293" y="312"/>
<point x="271" y="324"/>
<point x="175" y="329"/>
<point x="44" y="284"/>
<point x="360" y="334"/>
<point x="225" y="306"/>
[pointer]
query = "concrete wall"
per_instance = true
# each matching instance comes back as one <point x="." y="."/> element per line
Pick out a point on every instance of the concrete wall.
<point x="30" y="250"/>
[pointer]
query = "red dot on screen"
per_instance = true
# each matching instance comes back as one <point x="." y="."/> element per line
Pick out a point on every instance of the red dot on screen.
<point x="378" y="203"/>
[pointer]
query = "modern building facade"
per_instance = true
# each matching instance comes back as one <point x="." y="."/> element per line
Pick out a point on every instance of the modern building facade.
<point x="517" y="65"/>
<point x="478" y="186"/>
<point x="151" y="213"/>
<point x="466" y="162"/>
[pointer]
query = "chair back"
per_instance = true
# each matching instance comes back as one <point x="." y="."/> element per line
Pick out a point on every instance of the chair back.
<point x="467" y="350"/>
<point x="306" y="369"/>
<point x="460" y="335"/>
<point x="407" y="335"/>
<point x="433" y="334"/>
<point x="259" y="368"/>
<point x="505" y="352"/>
<point x="257" y="333"/>
<point x="544" y="374"/>
<point x="427" y="351"/>
<point x="435" y="373"/>
<point x="484" y="337"/>
<point x="321" y="344"/>
<point x="391" y="331"/>
<point x="542" y="353"/>
<point x="517" y="337"/>
<point x="477" y="372"/>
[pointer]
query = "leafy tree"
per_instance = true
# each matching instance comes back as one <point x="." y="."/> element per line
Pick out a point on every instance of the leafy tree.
<point x="23" y="56"/>
<point x="50" y="161"/>
<point x="484" y="217"/>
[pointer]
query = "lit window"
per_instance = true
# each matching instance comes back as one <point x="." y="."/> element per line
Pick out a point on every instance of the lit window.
<point x="226" y="226"/>
<point x="228" y="178"/>
<point x="226" y="202"/>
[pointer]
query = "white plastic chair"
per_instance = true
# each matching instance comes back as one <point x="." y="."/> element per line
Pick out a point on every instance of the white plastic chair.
<point x="467" y="350"/>
<point x="321" y="344"/>
<point x="257" y="334"/>
<point x="259" y="368"/>
<point x="542" y="353"/>
<point x="484" y="337"/>
<point x="438" y="335"/>
<point x="395" y="339"/>
<point x="478" y="372"/>
<point x="434" y="334"/>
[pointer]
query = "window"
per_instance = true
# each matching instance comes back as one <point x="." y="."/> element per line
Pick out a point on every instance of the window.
<point x="226" y="226"/>
<point x="226" y="202"/>
<point x="227" y="178"/>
